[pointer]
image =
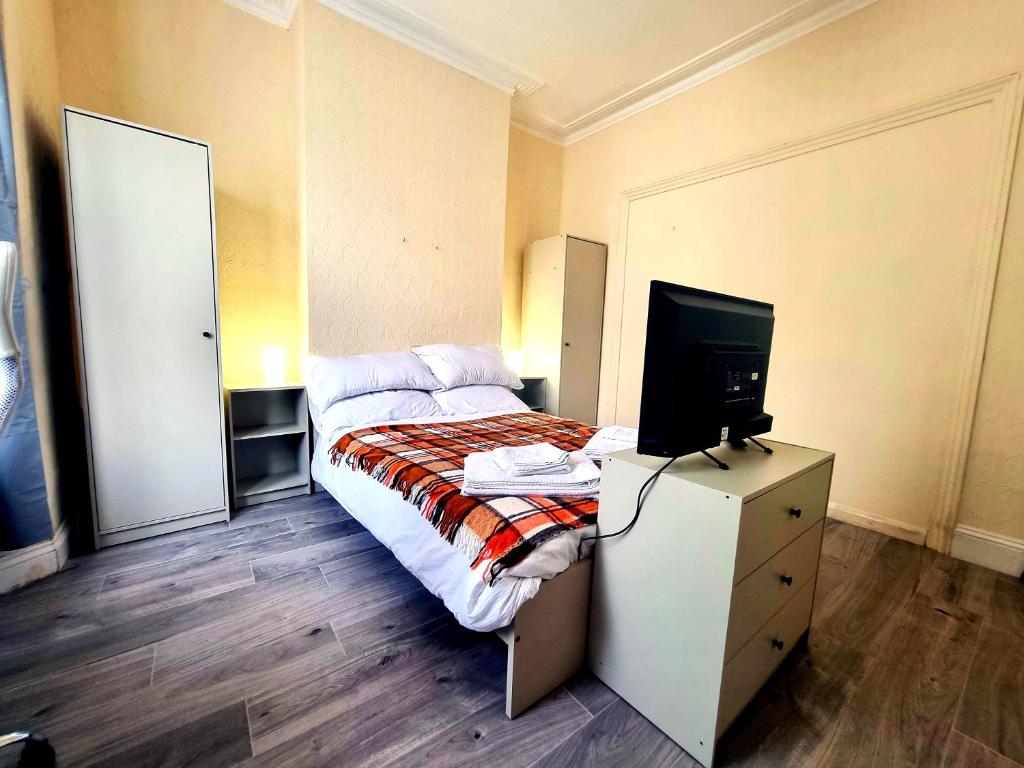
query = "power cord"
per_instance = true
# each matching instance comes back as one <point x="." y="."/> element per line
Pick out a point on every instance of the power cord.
<point x="640" y="497"/>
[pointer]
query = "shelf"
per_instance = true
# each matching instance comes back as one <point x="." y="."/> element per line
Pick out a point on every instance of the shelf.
<point x="270" y="430"/>
<point x="270" y="388"/>
<point x="249" y="486"/>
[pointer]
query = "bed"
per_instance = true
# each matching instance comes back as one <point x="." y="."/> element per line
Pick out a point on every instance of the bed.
<point x="537" y="602"/>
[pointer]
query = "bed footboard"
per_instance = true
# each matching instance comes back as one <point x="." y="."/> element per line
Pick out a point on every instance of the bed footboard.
<point x="547" y="642"/>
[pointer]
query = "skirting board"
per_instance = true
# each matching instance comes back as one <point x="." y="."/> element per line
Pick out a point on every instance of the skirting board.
<point x="23" y="566"/>
<point x="1000" y="553"/>
<point x="913" y="533"/>
<point x="125" y="535"/>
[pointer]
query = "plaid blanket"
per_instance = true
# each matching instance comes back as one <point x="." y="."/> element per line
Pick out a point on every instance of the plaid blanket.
<point x="424" y="462"/>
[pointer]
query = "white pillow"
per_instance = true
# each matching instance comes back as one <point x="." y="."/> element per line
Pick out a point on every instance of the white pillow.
<point x="458" y="366"/>
<point x="377" y="408"/>
<point x="330" y="379"/>
<point x="478" y="398"/>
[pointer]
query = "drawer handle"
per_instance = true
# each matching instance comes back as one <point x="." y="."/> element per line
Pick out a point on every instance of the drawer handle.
<point x="778" y="644"/>
<point x="787" y="580"/>
<point x="795" y="512"/>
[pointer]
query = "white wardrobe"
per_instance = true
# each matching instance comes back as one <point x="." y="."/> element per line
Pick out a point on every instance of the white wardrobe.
<point x="140" y="207"/>
<point x="563" y="311"/>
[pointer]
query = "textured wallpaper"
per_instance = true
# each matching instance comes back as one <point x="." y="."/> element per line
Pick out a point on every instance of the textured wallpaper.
<point x="400" y="159"/>
<point x="211" y="71"/>
<point x="405" y="194"/>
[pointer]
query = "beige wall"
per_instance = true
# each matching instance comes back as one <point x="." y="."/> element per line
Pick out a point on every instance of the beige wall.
<point x="359" y="185"/>
<point x="405" y="193"/>
<point x="31" y="59"/>
<point x="891" y="54"/>
<point x="533" y="208"/>
<point x="838" y="239"/>
<point x="205" y="69"/>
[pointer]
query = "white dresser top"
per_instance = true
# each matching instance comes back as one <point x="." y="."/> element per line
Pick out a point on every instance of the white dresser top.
<point x="751" y="472"/>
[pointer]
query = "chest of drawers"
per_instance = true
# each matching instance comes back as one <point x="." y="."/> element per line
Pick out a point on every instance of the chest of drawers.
<point x="700" y="602"/>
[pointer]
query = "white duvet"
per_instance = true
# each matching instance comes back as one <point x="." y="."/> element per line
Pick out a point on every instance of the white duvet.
<point x="443" y="569"/>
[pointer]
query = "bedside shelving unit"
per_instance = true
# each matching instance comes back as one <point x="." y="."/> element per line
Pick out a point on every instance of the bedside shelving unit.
<point x="533" y="392"/>
<point x="270" y="445"/>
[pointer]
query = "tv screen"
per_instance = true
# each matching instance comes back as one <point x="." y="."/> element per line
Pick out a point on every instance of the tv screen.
<point x="705" y="370"/>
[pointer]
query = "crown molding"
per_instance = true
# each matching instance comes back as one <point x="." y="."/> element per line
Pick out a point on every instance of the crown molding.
<point x="413" y="30"/>
<point x="279" y="12"/>
<point x="747" y="46"/>
<point x="537" y="126"/>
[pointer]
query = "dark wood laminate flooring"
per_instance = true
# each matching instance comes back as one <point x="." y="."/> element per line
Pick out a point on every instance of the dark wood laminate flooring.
<point x="290" y="637"/>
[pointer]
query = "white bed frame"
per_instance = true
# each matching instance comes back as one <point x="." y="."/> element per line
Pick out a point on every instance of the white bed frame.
<point x="547" y="641"/>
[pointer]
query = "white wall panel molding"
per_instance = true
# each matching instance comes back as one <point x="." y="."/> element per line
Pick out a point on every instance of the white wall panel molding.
<point x="1004" y="98"/>
<point x="391" y="19"/>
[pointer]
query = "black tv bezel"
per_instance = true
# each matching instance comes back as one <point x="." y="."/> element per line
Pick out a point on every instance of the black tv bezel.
<point x="702" y="437"/>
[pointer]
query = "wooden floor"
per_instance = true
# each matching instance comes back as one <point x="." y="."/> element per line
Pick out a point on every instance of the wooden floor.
<point x="291" y="638"/>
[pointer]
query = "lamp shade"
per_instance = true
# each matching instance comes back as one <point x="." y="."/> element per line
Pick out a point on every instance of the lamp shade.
<point x="273" y="360"/>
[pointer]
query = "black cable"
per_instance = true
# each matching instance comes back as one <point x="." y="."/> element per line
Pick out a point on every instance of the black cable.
<point x="648" y="483"/>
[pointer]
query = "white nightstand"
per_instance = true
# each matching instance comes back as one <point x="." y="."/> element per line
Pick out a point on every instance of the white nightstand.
<point x="268" y="433"/>
<point x="697" y="605"/>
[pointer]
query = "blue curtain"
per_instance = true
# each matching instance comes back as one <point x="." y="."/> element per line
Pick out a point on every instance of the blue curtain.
<point x="24" y="512"/>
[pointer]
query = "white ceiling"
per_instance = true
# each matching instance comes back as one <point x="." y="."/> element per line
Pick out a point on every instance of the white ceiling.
<point x="576" y="66"/>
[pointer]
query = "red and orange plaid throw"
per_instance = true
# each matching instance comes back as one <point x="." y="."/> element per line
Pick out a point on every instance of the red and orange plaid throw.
<point x="424" y="462"/>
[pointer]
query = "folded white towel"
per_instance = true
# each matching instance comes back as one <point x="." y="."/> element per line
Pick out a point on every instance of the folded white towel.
<point x="483" y="477"/>
<point x="556" y="469"/>
<point x="610" y="439"/>
<point x="537" y="459"/>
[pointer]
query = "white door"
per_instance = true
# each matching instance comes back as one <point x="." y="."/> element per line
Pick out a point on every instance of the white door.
<point x="144" y="258"/>
<point x="543" y="285"/>
<point x="582" y="319"/>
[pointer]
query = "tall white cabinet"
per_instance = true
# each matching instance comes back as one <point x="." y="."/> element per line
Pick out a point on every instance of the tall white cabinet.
<point x="563" y="310"/>
<point x="144" y="262"/>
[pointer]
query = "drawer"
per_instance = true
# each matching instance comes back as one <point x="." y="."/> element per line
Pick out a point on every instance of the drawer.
<point x="743" y="677"/>
<point x="772" y="520"/>
<point x="757" y="598"/>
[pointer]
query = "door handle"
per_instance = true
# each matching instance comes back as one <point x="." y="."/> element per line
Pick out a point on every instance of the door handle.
<point x="567" y="344"/>
<point x="207" y="335"/>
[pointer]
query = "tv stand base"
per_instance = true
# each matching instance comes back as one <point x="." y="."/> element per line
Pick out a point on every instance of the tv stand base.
<point x="721" y="464"/>
<point x="742" y="443"/>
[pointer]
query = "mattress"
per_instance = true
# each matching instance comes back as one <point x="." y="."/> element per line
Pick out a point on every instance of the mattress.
<point x="444" y="570"/>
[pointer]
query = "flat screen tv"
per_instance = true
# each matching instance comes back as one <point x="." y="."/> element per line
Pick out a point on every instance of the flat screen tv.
<point x="705" y="371"/>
